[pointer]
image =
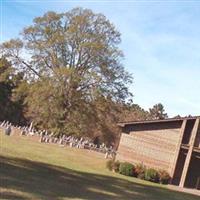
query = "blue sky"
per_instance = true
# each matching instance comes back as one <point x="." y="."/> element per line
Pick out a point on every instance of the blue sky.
<point x="160" y="40"/>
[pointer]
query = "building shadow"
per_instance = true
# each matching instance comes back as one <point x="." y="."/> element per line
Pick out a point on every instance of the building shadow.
<point x="44" y="181"/>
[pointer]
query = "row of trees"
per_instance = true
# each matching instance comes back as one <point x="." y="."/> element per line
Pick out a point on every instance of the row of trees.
<point x="65" y="74"/>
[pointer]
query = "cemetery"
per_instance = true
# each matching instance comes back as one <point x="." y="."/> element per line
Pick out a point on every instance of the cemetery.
<point x="99" y="101"/>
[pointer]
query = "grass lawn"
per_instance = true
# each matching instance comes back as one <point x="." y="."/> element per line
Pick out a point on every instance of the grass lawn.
<point x="31" y="170"/>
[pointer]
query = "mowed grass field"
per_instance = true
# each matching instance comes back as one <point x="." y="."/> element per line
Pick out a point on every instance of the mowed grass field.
<point x="31" y="170"/>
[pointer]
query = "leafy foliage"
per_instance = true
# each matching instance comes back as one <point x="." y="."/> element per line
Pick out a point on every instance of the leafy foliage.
<point x="158" y="112"/>
<point x="133" y="112"/>
<point x="109" y="165"/>
<point x="67" y="76"/>
<point x="76" y="78"/>
<point x="151" y="175"/>
<point x="11" y="109"/>
<point x="116" y="166"/>
<point x="140" y="171"/>
<point x="164" y="176"/>
<point x="113" y="165"/>
<point x="126" y="169"/>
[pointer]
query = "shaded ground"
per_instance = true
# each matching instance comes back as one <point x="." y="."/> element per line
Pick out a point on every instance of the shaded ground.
<point x="32" y="177"/>
<point x="44" y="181"/>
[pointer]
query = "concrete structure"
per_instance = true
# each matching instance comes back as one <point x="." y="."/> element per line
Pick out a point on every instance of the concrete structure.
<point x="170" y="144"/>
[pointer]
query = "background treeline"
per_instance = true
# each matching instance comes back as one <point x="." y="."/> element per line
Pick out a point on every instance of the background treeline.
<point x="65" y="74"/>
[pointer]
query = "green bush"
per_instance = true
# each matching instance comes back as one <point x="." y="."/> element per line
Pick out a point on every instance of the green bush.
<point x="164" y="177"/>
<point x="112" y="165"/>
<point x="140" y="171"/>
<point x="152" y="175"/>
<point x="116" y="166"/>
<point x="109" y="164"/>
<point x="126" y="169"/>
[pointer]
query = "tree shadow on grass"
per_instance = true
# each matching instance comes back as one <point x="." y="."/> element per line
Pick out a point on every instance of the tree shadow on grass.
<point x="43" y="181"/>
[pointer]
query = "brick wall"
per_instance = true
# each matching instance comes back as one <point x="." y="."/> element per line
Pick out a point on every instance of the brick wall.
<point x="154" y="148"/>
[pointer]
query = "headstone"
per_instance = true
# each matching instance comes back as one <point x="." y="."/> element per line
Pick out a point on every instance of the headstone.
<point x="8" y="130"/>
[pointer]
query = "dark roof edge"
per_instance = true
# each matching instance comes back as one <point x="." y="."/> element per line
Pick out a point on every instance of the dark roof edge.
<point x="122" y="124"/>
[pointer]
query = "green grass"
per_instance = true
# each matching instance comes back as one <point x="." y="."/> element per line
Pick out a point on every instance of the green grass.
<point x="31" y="170"/>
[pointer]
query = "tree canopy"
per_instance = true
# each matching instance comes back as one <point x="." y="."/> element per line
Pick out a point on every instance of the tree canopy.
<point x="65" y="73"/>
<point x="71" y="62"/>
<point x="158" y="112"/>
<point x="11" y="108"/>
<point x="80" y="45"/>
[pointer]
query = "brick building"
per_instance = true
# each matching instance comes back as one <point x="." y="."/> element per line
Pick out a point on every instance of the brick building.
<point x="170" y="144"/>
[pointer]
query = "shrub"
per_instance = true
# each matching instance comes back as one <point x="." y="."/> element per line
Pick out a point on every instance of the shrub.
<point x="152" y="175"/>
<point x="116" y="166"/>
<point x="140" y="171"/>
<point x="141" y="176"/>
<point x="109" y="164"/>
<point x="164" y="177"/>
<point x="126" y="169"/>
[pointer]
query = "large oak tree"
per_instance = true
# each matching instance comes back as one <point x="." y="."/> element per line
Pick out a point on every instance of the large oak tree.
<point x="72" y="62"/>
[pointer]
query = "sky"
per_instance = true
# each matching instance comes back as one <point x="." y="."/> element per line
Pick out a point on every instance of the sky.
<point x="160" y="41"/>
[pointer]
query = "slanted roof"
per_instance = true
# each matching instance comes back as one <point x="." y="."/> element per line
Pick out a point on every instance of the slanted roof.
<point x="124" y="123"/>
